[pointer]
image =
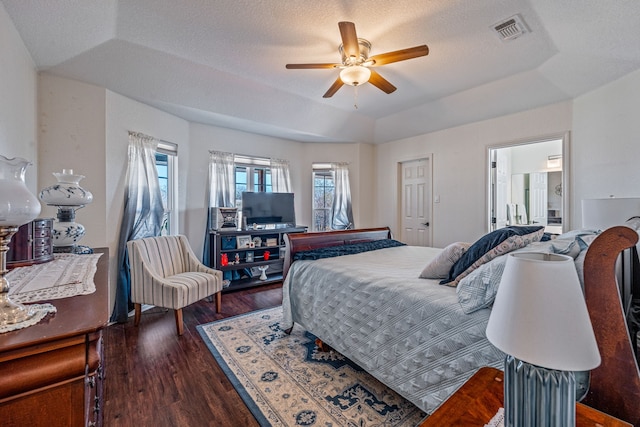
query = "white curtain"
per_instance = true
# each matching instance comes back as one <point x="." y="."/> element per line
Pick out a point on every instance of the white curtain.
<point x="143" y="212"/>
<point x="280" y="178"/>
<point x="221" y="180"/>
<point x="341" y="212"/>
<point x="221" y="192"/>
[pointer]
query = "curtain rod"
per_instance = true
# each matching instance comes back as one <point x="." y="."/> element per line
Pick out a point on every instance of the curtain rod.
<point x="240" y="155"/>
<point x="149" y="136"/>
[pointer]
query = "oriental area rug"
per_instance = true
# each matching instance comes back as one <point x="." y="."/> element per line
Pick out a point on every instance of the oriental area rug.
<point x="286" y="381"/>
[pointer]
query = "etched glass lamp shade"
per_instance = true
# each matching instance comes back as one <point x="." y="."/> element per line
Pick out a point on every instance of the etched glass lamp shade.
<point x="540" y="320"/>
<point x="18" y="206"/>
<point x="355" y="75"/>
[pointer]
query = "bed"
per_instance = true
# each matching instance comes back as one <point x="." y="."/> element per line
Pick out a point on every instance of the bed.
<point x="414" y="334"/>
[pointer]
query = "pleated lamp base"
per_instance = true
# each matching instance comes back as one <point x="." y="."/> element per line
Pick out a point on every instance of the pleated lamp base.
<point x="538" y="397"/>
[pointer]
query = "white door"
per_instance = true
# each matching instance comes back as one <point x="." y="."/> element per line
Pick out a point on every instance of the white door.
<point x="502" y="171"/>
<point x="416" y="202"/>
<point x="538" y="198"/>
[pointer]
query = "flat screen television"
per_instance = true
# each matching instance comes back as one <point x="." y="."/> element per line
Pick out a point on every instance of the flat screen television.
<point x="268" y="208"/>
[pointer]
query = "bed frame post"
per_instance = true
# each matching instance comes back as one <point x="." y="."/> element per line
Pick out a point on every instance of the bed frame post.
<point x="615" y="384"/>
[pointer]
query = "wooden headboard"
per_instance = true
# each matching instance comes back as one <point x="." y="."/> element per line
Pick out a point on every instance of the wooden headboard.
<point x="297" y="242"/>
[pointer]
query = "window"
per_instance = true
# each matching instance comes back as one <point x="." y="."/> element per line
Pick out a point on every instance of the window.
<point x="251" y="174"/>
<point x="323" y="192"/>
<point x="166" y="165"/>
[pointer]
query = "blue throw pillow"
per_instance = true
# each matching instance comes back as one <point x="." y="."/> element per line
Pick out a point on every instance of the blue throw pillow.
<point x="482" y="249"/>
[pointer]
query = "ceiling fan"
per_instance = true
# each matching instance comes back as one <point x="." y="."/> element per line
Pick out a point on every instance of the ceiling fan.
<point x="356" y="63"/>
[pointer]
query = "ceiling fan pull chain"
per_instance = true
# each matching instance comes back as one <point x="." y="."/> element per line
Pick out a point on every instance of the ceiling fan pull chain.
<point x="355" y="97"/>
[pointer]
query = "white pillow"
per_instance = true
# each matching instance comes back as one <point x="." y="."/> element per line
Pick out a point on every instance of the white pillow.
<point x="439" y="267"/>
<point x="478" y="289"/>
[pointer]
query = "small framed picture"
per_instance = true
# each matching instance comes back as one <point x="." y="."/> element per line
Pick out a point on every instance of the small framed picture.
<point x="249" y="256"/>
<point x="243" y="241"/>
<point x="272" y="242"/>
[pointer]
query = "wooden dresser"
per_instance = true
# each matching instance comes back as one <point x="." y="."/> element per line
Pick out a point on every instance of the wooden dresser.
<point x="51" y="374"/>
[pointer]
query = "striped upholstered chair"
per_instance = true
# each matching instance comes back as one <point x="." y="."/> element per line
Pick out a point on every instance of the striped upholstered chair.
<point x="166" y="273"/>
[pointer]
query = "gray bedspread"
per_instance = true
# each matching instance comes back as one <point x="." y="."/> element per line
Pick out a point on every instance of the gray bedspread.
<point x="409" y="333"/>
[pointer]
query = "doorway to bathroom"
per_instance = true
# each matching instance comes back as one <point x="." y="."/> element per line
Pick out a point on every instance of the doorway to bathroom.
<point x="529" y="183"/>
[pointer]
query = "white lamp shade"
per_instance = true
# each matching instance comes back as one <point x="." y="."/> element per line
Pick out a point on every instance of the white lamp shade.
<point x="355" y="75"/>
<point x="18" y="205"/>
<point x="601" y="214"/>
<point x="540" y="315"/>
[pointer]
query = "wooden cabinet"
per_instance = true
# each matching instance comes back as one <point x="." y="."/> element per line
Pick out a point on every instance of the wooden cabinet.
<point x="245" y="273"/>
<point x="32" y="244"/>
<point x="52" y="373"/>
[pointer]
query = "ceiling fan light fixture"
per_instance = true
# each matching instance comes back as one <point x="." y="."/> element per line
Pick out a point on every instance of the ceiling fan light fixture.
<point x="356" y="62"/>
<point x="355" y="75"/>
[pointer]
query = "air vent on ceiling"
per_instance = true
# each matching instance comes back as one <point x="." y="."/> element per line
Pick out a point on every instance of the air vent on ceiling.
<point x="511" y="28"/>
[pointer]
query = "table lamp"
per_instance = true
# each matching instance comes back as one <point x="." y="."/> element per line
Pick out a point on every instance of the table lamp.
<point x="540" y="320"/>
<point x="17" y="207"/>
<point x="67" y="196"/>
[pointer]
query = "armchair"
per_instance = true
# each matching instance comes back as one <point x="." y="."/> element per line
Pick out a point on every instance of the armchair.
<point x="166" y="273"/>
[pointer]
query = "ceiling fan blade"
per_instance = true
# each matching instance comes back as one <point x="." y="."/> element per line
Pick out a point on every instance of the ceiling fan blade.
<point x="381" y="83"/>
<point x="349" y="38"/>
<point x="311" y="66"/>
<point x="399" y="55"/>
<point x="334" y="88"/>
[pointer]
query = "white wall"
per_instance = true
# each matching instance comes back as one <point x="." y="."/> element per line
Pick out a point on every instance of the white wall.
<point x="460" y="169"/>
<point x="124" y="115"/>
<point x="18" y="99"/>
<point x="85" y="128"/>
<point x="72" y="136"/>
<point x="361" y="160"/>
<point x="301" y="156"/>
<point x="205" y="138"/>
<point x="533" y="157"/>
<point x="606" y="143"/>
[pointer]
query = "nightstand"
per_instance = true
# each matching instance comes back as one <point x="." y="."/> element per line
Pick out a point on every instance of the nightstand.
<point x="479" y="399"/>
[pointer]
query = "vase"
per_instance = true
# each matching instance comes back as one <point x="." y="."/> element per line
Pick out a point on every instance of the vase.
<point x="68" y="196"/>
<point x="66" y="231"/>
<point x="263" y="270"/>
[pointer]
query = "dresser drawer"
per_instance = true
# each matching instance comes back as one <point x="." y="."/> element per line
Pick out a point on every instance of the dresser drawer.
<point x="40" y="232"/>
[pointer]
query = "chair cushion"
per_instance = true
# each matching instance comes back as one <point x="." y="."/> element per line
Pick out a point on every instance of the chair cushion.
<point x="186" y="288"/>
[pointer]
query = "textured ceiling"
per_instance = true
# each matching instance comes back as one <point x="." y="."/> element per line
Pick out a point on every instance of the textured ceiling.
<point x="223" y="62"/>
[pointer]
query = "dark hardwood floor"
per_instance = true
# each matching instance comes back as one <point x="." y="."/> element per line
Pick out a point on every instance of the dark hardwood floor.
<point x="156" y="378"/>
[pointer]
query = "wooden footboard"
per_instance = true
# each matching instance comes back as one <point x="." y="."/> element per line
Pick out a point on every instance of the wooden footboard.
<point x="297" y="242"/>
<point x="615" y="384"/>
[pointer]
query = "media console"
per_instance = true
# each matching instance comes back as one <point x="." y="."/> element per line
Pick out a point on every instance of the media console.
<point x="250" y="247"/>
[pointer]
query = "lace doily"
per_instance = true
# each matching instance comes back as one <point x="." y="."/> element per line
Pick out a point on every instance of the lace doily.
<point x="66" y="276"/>
<point x="497" y="420"/>
<point x="40" y="310"/>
